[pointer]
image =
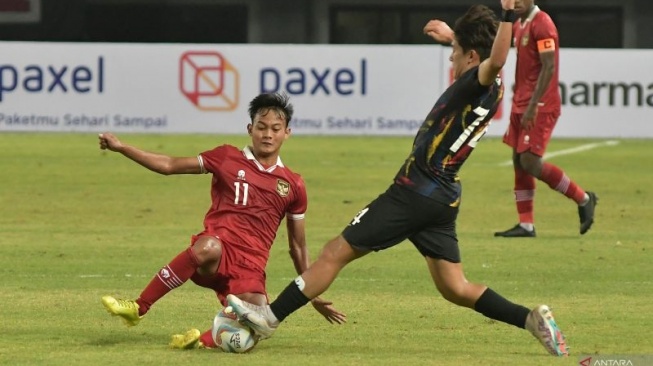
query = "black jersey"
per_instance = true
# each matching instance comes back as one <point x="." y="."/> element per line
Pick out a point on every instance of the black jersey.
<point x="447" y="137"/>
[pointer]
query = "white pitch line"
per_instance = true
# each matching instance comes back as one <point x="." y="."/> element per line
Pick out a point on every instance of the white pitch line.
<point x="573" y="150"/>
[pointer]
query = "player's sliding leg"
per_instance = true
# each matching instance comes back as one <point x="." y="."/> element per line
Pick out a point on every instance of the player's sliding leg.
<point x="264" y="320"/>
<point x="171" y="276"/>
<point x="451" y="283"/>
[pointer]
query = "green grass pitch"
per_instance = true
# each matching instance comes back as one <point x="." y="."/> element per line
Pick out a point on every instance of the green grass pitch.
<point x="77" y="223"/>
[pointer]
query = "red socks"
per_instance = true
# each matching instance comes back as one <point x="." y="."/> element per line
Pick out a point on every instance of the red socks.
<point x="207" y="339"/>
<point x="524" y="194"/>
<point x="551" y="175"/>
<point x="558" y="180"/>
<point x="171" y="276"/>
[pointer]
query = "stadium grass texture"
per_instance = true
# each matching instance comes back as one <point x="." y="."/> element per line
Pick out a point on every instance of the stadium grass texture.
<point x="77" y="223"/>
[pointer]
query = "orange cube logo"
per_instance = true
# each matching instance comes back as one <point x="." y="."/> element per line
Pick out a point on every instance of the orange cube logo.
<point x="209" y="81"/>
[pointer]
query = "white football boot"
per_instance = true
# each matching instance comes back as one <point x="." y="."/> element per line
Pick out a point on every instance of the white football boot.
<point x="259" y="318"/>
<point x="541" y="324"/>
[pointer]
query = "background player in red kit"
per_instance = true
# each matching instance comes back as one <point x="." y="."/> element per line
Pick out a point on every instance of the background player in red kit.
<point x="535" y="111"/>
<point x="251" y="192"/>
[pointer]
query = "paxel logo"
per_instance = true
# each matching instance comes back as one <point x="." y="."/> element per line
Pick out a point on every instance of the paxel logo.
<point x="499" y="108"/>
<point x="313" y="81"/>
<point x="209" y="81"/>
<point x="52" y="79"/>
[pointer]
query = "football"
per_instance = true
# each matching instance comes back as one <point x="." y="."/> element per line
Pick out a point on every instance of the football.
<point x="230" y="335"/>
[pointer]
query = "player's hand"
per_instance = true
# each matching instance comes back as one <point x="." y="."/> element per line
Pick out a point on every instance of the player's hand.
<point x="507" y="4"/>
<point x="439" y="31"/>
<point x="528" y="119"/>
<point x="331" y="314"/>
<point x="109" y="142"/>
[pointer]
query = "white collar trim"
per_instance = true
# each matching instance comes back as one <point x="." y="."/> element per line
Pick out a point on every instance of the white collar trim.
<point x="247" y="151"/>
<point x="536" y="9"/>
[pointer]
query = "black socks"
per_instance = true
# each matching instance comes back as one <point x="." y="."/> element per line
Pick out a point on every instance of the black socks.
<point x="290" y="299"/>
<point x="494" y="306"/>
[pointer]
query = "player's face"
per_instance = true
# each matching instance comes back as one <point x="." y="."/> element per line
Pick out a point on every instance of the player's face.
<point x="268" y="131"/>
<point x="459" y="60"/>
<point x="523" y="6"/>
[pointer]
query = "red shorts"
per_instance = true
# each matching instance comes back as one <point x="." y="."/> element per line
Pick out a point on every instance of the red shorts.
<point x="535" y="140"/>
<point x="235" y="275"/>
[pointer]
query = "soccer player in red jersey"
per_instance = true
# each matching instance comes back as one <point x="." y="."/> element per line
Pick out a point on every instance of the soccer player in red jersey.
<point x="535" y="111"/>
<point x="423" y="202"/>
<point x="251" y="193"/>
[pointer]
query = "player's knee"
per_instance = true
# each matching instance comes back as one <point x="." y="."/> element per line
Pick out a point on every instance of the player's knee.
<point x="329" y="254"/>
<point x="337" y="252"/>
<point x="531" y="164"/>
<point x="207" y="249"/>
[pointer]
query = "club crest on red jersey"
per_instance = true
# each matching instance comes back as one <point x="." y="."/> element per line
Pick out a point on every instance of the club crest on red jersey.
<point x="283" y="187"/>
<point x="524" y="40"/>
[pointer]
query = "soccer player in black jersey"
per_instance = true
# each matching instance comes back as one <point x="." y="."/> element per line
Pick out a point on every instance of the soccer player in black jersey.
<point x="422" y="203"/>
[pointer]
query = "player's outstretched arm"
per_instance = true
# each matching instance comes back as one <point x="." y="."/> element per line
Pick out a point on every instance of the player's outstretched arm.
<point x="490" y="67"/>
<point x="160" y="163"/>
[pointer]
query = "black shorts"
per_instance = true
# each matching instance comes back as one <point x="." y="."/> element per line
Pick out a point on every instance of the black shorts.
<point x="399" y="214"/>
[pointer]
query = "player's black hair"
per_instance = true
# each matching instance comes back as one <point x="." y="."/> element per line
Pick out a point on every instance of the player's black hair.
<point x="277" y="102"/>
<point x="476" y="29"/>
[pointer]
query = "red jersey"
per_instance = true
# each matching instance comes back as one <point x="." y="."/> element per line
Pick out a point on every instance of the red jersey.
<point x="249" y="201"/>
<point x="536" y="34"/>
